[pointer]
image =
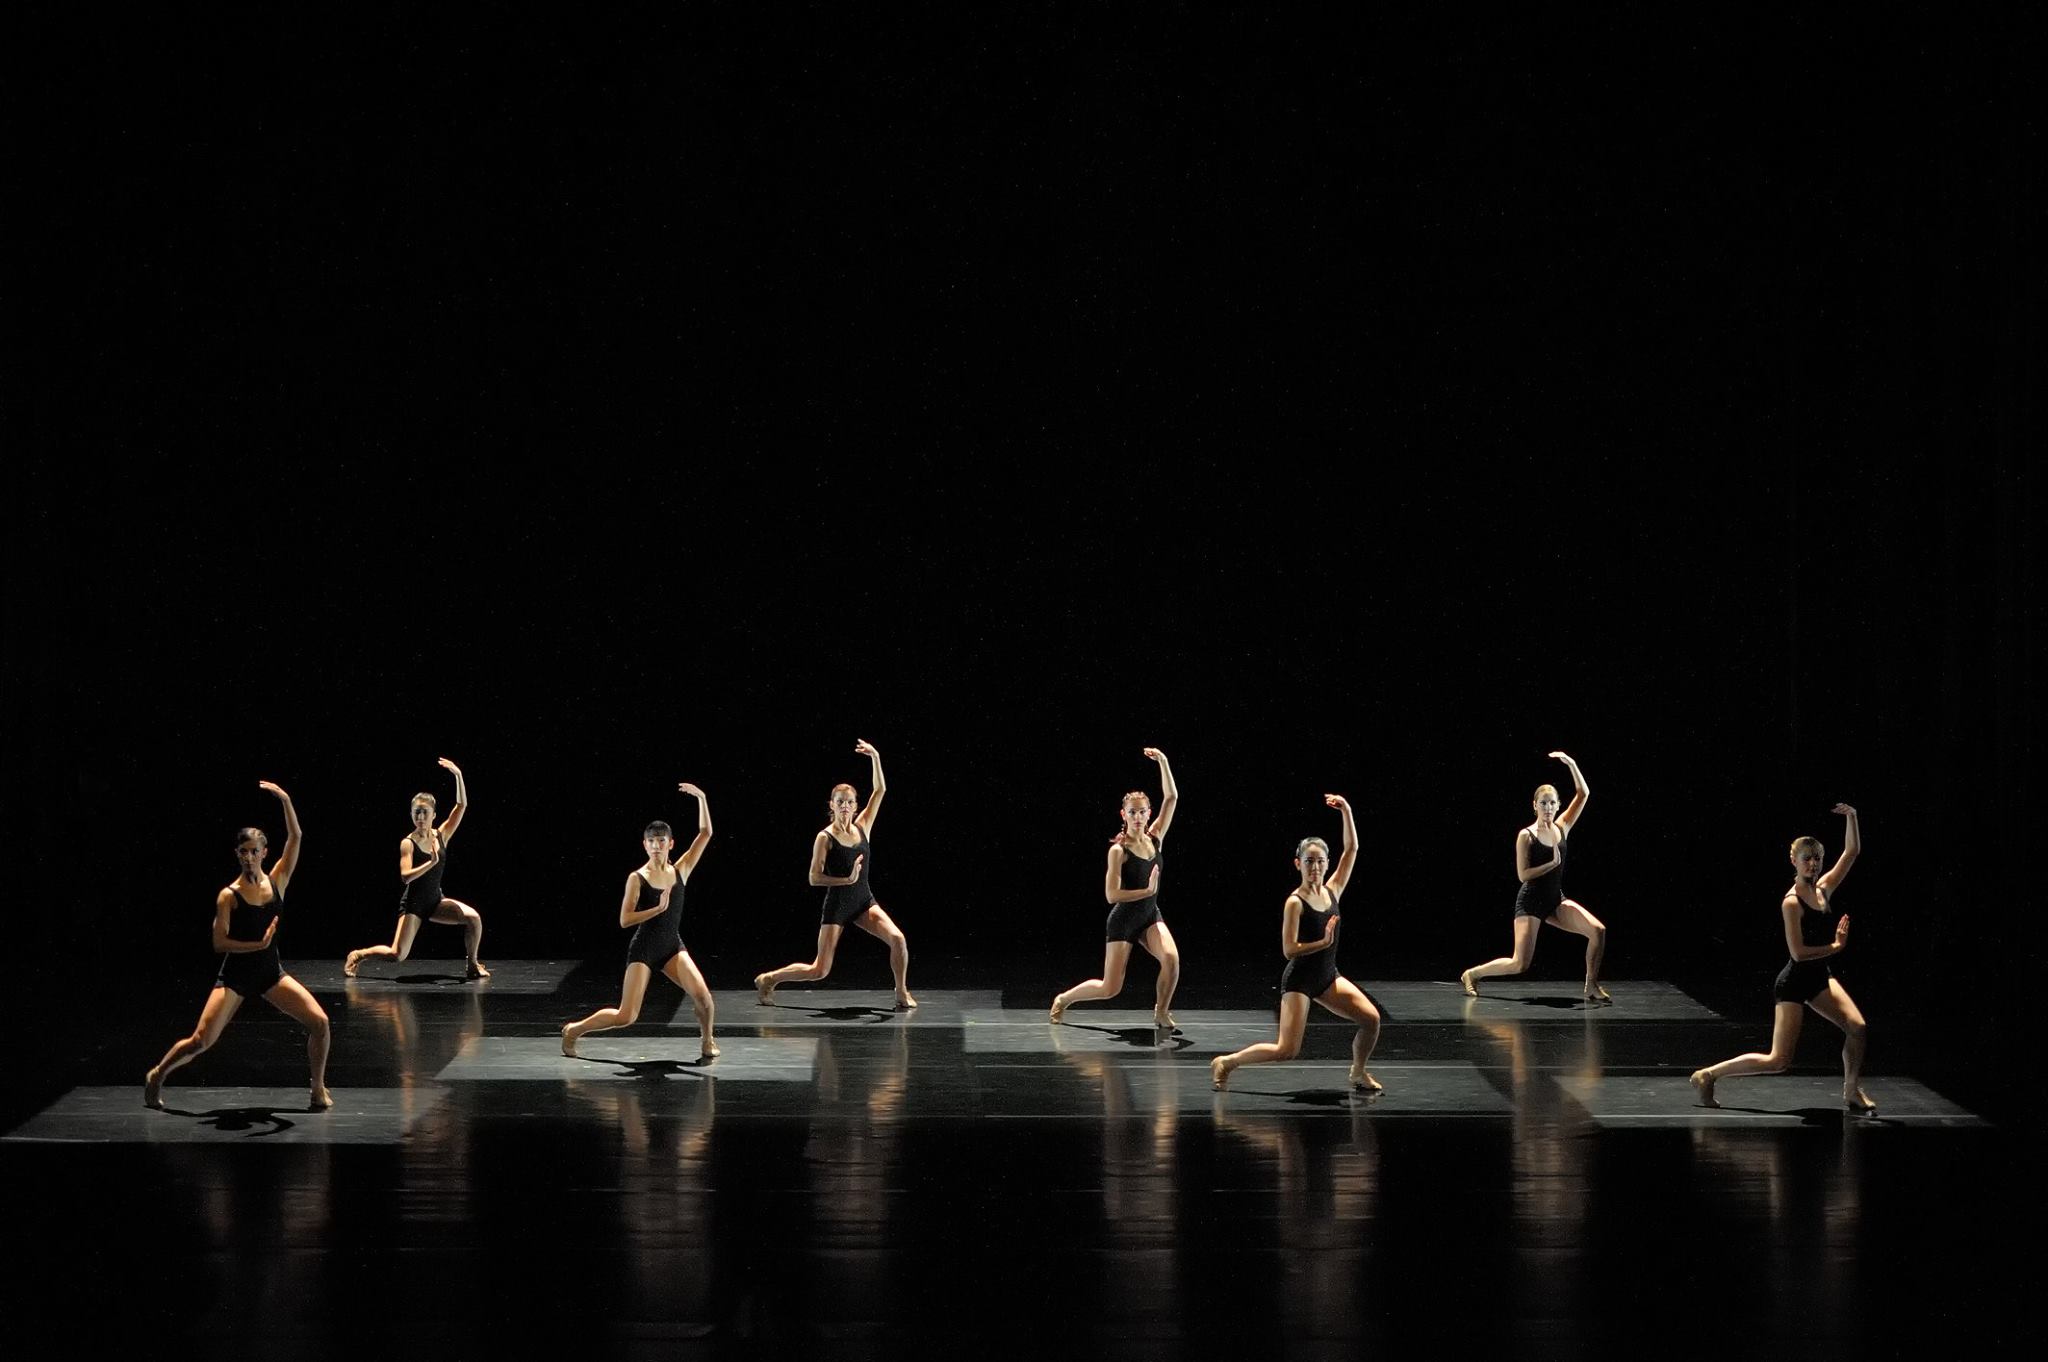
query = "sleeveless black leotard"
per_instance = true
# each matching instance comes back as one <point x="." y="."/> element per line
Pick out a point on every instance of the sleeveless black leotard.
<point x="423" y="895"/>
<point x="659" y="939"/>
<point x="845" y="902"/>
<point x="1314" y="973"/>
<point x="1128" y="921"/>
<point x="251" y="973"/>
<point x="1538" y="898"/>
<point x="1801" y="981"/>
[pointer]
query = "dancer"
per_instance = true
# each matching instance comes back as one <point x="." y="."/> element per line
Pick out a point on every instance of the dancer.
<point x="1308" y="938"/>
<point x="653" y="908"/>
<point x="1806" y="981"/>
<point x="1541" y="898"/>
<point x="1131" y="886"/>
<point x="245" y="932"/>
<point x="422" y="857"/>
<point x="839" y="863"/>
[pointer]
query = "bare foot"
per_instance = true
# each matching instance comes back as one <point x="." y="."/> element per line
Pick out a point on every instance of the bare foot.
<point x="568" y="1043"/>
<point x="764" y="991"/>
<point x="153" y="1090"/>
<point x="1859" y="1102"/>
<point x="1164" y="1021"/>
<point x="1465" y="982"/>
<point x="320" y="1100"/>
<point x="1059" y="1009"/>
<point x="476" y="970"/>
<point x="1703" y="1084"/>
<point x="1597" y="994"/>
<point x="1219" y="1072"/>
<point x="1365" y="1082"/>
<point x="904" y="1002"/>
<point x="710" y="1050"/>
<point x="352" y="964"/>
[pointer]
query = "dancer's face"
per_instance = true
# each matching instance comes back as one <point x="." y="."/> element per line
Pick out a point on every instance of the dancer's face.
<point x="657" y="846"/>
<point x="249" y="855"/>
<point x="1313" y="863"/>
<point x="1545" y="806"/>
<point x="1806" y="863"/>
<point x="422" y="817"/>
<point x="1137" y="813"/>
<point x="842" y="807"/>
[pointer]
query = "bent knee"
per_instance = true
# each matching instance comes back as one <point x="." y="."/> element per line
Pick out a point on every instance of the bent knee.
<point x="1289" y="1051"/>
<point x="897" y="940"/>
<point x="821" y="967"/>
<point x="1170" y="960"/>
<point x="1113" y="984"/>
<point x="1777" y="1064"/>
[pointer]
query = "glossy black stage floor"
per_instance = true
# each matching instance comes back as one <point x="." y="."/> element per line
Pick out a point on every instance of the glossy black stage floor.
<point x="847" y="1179"/>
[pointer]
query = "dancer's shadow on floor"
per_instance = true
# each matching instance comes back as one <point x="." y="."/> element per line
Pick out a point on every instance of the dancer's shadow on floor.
<point x="1810" y="1116"/>
<point x="654" y="1070"/>
<point x="870" y="1015"/>
<point x="244" y="1121"/>
<point x="1137" y="1037"/>
<point x="1343" y="1097"/>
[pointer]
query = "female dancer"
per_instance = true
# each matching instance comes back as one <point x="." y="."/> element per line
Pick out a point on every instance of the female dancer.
<point x="1806" y="980"/>
<point x="839" y="862"/>
<point x="1541" y="898"/>
<point x="657" y="925"/>
<point x="245" y="932"/>
<point x="422" y="856"/>
<point x="1131" y="887"/>
<point x="1308" y="938"/>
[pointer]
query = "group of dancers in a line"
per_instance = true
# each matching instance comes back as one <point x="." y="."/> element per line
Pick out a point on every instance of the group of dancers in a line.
<point x="246" y="914"/>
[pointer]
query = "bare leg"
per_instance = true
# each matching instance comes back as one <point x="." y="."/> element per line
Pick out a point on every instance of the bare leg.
<point x="1115" y="956"/>
<point x="683" y="970"/>
<point x="1158" y="941"/>
<point x="1574" y="918"/>
<point x="400" y="947"/>
<point x="1293" y="1018"/>
<point x="611" y="1018"/>
<point x="289" y="996"/>
<point x="1839" y="1008"/>
<point x="1518" y="963"/>
<point x="454" y="912"/>
<point x="213" y="1019"/>
<point x="1348" y="1001"/>
<point x="819" y="967"/>
<point x="877" y="923"/>
<point x="1784" y="1042"/>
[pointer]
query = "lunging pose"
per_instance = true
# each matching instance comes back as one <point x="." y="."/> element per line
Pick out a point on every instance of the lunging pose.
<point x="1131" y="886"/>
<point x="245" y="932"/>
<point x="422" y="857"/>
<point x="1539" y="865"/>
<point x="1308" y="938"/>
<point x="839" y="862"/>
<point x="1807" y="981"/>
<point x="653" y="908"/>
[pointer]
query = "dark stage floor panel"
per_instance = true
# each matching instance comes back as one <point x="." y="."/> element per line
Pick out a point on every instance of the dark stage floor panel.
<point x="850" y="1180"/>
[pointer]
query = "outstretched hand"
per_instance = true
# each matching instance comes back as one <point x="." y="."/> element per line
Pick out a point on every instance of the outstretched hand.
<point x="1155" y="754"/>
<point x="443" y="761"/>
<point x="1336" y="801"/>
<point x="1843" y="809"/>
<point x="865" y="748"/>
<point x="689" y="789"/>
<point x="275" y="789"/>
<point x="1560" y="756"/>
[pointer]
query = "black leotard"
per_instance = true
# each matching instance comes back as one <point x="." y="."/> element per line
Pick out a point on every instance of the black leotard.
<point x="659" y="939"/>
<point x="1539" y="898"/>
<point x="1801" y="981"/>
<point x="845" y="902"/>
<point x="251" y="973"/>
<point x="1313" y="973"/>
<point x="1129" y="921"/>
<point x="423" y="895"/>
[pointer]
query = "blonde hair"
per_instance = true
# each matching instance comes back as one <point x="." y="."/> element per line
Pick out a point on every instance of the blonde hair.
<point x="1542" y="790"/>
<point x="842" y="785"/>
<point x="1800" y="844"/>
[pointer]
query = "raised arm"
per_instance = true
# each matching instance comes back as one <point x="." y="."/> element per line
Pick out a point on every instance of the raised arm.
<point x="1169" y="794"/>
<point x="1523" y="870"/>
<point x="1852" y="847"/>
<point x="1113" y="891"/>
<point x="819" y="878"/>
<point x="287" y="862"/>
<point x="866" y="817"/>
<point x="454" y="818"/>
<point x="695" y="852"/>
<point x="223" y="907"/>
<point x="1580" y="790"/>
<point x="1348" y="857"/>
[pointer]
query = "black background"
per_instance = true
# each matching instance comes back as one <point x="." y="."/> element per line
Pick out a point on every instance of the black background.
<point x="1369" y="409"/>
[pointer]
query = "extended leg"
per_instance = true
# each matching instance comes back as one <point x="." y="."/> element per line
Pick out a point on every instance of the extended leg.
<point x="213" y="1019"/>
<point x="1116" y="955"/>
<point x="819" y="966"/>
<point x="1293" y="1020"/>
<point x="1518" y="963"/>
<point x="611" y="1018"/>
